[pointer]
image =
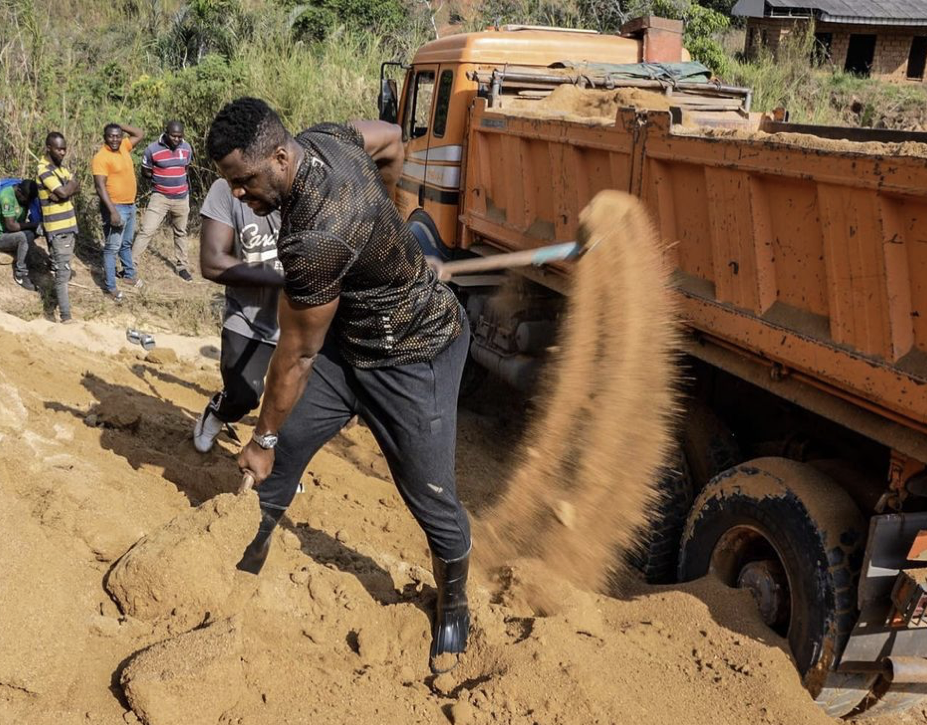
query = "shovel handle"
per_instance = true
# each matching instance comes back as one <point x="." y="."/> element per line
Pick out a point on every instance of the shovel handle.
<point x="247" y="482"/>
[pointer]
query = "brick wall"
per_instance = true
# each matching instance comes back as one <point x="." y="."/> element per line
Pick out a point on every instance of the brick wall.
<point x="893" y="44"/>
<point x="768" y="32"/>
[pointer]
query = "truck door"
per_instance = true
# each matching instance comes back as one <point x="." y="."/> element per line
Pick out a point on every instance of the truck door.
<point x="442" y="164"/>
<point x="416" y="122"/>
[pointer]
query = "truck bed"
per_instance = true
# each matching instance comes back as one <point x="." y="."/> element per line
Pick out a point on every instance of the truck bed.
<point x="805" y="253"/>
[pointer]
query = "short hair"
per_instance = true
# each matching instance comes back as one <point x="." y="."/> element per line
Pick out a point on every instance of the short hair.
<point x="171" y="124"/>
<point x="108" y="126"/>
<point x="246" y="124"/>
<point x="29" y="188"/>
<point x="52" y="135"/>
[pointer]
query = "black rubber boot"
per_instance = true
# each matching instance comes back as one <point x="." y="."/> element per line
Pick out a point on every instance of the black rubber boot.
<point x="255" y="555"/>
<point x="452" y="615"/>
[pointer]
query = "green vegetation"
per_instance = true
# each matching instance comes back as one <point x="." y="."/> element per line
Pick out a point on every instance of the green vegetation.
<point x="819" y="94"/>
<point x="74" y="65"/>
<point x="145" y="62"/>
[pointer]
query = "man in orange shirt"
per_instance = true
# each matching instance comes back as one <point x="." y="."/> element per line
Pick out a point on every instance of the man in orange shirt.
<point x="114" y="178"/>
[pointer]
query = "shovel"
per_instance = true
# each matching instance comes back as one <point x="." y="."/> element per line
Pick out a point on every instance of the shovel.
<point x="247" y="482"/>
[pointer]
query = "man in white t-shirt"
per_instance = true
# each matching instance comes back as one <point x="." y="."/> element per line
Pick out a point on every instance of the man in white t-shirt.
<point x="238" y="249"/>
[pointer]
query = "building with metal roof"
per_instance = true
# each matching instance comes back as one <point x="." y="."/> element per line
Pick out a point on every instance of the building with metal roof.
<point x="885" y="38"/>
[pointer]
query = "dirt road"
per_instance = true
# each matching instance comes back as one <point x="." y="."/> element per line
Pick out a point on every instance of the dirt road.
<point x="96" y="454"/>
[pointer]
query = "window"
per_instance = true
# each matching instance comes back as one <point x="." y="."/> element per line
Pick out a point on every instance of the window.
<point x="820" y="53"/>
<point x="420" y="99"/>
<point x="917" y="58"/>
<point x="444" y="101"/>
<point x="860" y="54"/>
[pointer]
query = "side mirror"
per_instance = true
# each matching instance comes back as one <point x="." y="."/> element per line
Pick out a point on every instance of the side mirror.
<point x="388" y="101"/>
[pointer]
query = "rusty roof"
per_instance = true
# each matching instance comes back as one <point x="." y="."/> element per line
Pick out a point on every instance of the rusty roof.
<point x="869" y="12"/>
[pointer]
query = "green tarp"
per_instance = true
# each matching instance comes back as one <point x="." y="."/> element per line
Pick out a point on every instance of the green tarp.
<point x="670" y="73"/>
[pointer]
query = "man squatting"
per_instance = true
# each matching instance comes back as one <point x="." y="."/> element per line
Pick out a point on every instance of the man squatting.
<point x="366" y="329"/>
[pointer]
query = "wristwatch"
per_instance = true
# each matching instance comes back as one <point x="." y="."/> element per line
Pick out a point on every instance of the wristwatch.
<point x="266" y="441"/>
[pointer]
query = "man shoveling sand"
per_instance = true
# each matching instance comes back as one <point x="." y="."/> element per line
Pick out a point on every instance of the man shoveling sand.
<point x="366" y="329"/>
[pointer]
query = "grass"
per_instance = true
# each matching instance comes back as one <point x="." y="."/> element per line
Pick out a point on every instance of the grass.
<point x="95" y="62"/>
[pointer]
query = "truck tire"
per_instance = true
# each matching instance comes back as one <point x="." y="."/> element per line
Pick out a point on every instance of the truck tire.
<point x="472" y="379"/>
<point x="429" y="239"/>
<point x="709" y="445"/>
<point x="656" y="556"/>
<point x="795" y="539"/>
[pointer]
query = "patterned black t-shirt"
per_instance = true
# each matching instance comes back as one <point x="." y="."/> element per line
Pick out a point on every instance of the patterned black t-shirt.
<point x="340" y="234"/>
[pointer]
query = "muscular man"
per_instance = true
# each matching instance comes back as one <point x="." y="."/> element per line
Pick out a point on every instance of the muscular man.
<point x="365" y="328"/>
<point x="238" y="248"/>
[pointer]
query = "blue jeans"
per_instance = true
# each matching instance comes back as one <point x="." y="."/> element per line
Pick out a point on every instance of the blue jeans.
<point x="118" y="241"/>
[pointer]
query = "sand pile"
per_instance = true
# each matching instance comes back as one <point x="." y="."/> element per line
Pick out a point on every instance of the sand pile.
<point x="186" y="569"/>
<point x="570" y="102"/>
<point x="591" y="103"/>
<point x="193" y="679"/>
<point x="586" y="483"/>
<point x="336" y="629"/>
<point x="809" y="141"/>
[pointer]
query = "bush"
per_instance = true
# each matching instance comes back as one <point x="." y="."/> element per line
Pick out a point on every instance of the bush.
<point x="318" y="18"/>
<point x="202" y="27"/>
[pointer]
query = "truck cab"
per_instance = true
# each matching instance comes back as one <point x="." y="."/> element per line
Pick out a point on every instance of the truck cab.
<point x="443" y="81"/>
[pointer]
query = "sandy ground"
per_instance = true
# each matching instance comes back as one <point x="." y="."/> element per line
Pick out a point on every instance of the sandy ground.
<point x="120" y="603"/>
<point x="96" y="455"/>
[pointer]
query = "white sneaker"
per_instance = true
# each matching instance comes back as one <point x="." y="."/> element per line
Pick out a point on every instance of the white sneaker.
<point x="206" y="430"/>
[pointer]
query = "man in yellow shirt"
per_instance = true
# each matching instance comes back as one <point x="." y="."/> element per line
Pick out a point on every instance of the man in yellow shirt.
<point x="57" y="188"/>
<point x="114" y="178"/>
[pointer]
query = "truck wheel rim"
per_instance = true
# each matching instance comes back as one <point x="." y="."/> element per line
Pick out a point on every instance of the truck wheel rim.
<point x="746" y="558"/>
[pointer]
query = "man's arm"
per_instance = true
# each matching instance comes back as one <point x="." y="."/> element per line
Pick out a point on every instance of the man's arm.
<point x="66" y="190"/>
<point x="11" y="225"/>
<point x="218" y="262"/>
<point x="99" y="182"/>
<point x="135" y="134"/>
<point x="302" y="333"/>
<point x="58" y="191"/>
<point x="147" y="164"/>
<point x="383" y="143"/>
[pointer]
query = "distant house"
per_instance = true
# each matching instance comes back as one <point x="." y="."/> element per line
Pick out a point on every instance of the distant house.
<point x="883" y="38"/>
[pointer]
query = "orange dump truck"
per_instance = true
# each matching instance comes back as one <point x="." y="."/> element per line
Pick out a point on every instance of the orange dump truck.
<point x="800" y="267"/>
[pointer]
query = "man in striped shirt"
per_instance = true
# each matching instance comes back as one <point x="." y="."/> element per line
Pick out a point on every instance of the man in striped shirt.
<point x="165" y="162"/>
<point x="57" y="188"/>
